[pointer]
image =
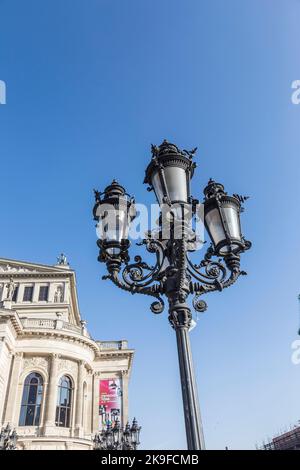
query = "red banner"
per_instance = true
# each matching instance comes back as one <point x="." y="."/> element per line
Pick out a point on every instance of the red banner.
<point x="110" y="401"/>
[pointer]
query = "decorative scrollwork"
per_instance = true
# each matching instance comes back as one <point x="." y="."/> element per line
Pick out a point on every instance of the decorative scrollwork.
<point x="210" y="273"/>
<point x="199" y="304"/>
<point x="140" y="277"/>
<point x="141" y="274"/>
<point x="177" y="278"/>
<point x="213" y="275"/>
<point x="157" y="306"/>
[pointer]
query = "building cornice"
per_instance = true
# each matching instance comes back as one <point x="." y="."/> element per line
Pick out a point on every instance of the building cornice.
<point x="59" y="334"/>
<point x="121" y="353"/>
<point x="30" y="275"/>
<point x="11" y="316"/>
<point x="83" y="341"/>
<point x="27" y="332"/>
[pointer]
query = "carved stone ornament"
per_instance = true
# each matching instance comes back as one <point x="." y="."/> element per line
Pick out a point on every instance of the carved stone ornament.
<point x="66" y="364"/>
<point x="59" y="294"/>
<point x="15" y="269"/>
<point x="32" y="362"/>
<point x="10" y="288"/>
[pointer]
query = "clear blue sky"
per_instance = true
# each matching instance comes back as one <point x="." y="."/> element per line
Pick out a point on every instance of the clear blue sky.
<point x="90" y="84"/>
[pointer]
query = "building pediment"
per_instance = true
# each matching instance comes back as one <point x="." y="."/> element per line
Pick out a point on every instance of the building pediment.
<point x="22" y="282"/>
<point x="11" y="267"/>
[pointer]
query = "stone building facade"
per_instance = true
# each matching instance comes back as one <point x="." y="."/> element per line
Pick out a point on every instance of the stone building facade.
<point x="51" y="370"/>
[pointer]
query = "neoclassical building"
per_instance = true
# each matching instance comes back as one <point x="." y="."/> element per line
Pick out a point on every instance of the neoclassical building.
<point x="58" y="386"/>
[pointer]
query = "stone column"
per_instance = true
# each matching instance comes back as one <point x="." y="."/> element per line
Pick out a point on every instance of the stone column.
<point x="95" y="398"/>
<point x="51" y="396"/>
<point x="11" y="414"/>
<point x="1" y="291"/>
<point x="36" y="291"/>
<point x="88" y="420"/>
<point x="79" y="399"/>
<point x="6" y="366"/>
<point x="124" y="385"/>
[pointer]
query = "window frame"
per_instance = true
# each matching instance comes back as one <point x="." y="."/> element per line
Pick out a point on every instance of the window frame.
<point x="46" y="286"/>
<point x="32" y="292"/>
<point x="36" y="406"/>
<point x="65" y="409"/>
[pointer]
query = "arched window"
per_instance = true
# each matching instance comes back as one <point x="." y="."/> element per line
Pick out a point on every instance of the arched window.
<point x="31" y="400"/>
<point x="64" y="401"/>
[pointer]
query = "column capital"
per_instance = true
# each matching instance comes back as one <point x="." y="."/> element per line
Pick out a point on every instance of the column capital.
<point x="55" y="356"/>
<point x="19" y="355"/>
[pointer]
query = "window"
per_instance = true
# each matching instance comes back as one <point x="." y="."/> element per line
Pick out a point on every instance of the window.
<point x="28" y="293"/>
<point x="31" y="400"/>
<point x="15" y="294"/>
<point x="43" y="294"/>
<point x="64" y="400"/>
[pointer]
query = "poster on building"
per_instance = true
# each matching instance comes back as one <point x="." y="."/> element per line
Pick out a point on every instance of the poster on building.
<point x="110" y="401"/>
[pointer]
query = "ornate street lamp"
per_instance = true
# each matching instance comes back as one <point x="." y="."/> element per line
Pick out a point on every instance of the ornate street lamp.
<point x="8" y="438"/>
<point x="114" y="212"/>
<point x="222" y="219"/>
<point x="169" y="173"/>
<point x="174" y="275"/>
<point x="117" y="438"/>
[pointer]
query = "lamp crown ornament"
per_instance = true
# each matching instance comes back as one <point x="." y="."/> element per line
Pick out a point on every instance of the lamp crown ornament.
<point x="213" y="189"/>
<point x="114" y="189"/>
<point x="167" y="148"/>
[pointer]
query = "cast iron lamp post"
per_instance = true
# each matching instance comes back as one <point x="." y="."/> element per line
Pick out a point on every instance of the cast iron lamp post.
<point x="174" y="274"/>
<point x="8" y="438"/>
<point x="117" y="438"/>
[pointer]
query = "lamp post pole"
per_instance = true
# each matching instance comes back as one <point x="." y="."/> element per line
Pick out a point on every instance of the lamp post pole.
<point x="174" y="274"/>
<point x="181" y="318"/>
